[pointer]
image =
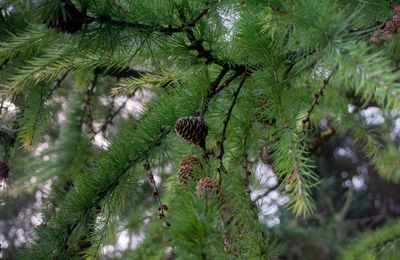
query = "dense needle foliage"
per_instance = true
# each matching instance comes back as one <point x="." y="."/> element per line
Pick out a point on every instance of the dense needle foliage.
<point x="91" y="91"/>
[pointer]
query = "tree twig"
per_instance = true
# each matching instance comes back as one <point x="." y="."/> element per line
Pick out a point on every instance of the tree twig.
<point x="112" y="114"/>
<point x="155" y="194"/>
<point x="347" y="204"/>
<point x="315" y="97"/>
<point x="198" y="46"/>
<point x="213" y="87"/>
<point x="57" y="85"/>
<point x="235" y="94"/>
<point x="86" y="104"/>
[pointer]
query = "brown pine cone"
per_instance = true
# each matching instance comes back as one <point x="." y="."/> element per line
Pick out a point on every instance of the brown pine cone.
<point x="192" y="129"/>
<point x="390" y="27"/>
<point x="188" y="169"/>
<point x="207" y="188"/>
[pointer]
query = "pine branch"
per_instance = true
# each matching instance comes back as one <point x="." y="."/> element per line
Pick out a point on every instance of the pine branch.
<point x="221" y="168"/>
<point x="101" y="194"/>
<point x="316" y="96"/>
<point x="113" y="113"/>
<point x="211" y="91"/>
<point x="39" y="111"/>
<point x="375" y="244"/>
<point x="216" y="87"/>
<point x="1" y="105"/>
<point x="57" y="84"/>
<point x="347" y="204"/>
<point x="155" y="194"/>
<point x="197" y="45"/>
<point x="87" y="114"/>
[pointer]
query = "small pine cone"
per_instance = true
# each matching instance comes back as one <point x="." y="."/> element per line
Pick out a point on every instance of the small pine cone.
<point x="390" y="27"/>
<point x="207" y="188"/>
<point x="188" y="169"/>
<point x="190" y="160"/>
<point x="377" y="36"/>
<point x="192" y="129"/>
<point x="4" y="171"/>
<point x="185" y="174"/>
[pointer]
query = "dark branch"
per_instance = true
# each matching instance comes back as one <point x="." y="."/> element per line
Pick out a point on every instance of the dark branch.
<point x="316" y="96"/>
<point x="161" y="207"/>
<point x="225" y="127"/>
<point x="212" y="92"/>
<point x="197" y="44"/>
<point x="86" y="104"/>
<point x="216" y="87"/>
<point x="57" y="84"/>
<point x="113" y="113"/>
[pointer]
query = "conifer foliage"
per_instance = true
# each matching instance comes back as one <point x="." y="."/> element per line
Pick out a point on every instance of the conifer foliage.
<point x="225" y="85"/>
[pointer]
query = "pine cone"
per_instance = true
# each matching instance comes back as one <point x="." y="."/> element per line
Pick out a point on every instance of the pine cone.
<point x="207" y="188"/>
<point x="390" y="27"/>
<point x="68" y="19"/>
<point x="187" y="169"/>
<point x="377" y="36"/>
<point x="4" y="171"/>
<point x="192" y="129"/>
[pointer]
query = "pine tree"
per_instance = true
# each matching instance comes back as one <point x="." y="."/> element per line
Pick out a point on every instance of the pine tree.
<point x="225" y="84"/>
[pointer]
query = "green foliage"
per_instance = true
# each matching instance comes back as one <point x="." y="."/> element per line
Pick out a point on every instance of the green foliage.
<point x="35" y="116"/>
<point x="380" y="244"/>
<point x="259" y="73"/>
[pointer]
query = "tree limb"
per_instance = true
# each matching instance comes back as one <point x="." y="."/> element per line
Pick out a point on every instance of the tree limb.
<point x="221" y="167"/>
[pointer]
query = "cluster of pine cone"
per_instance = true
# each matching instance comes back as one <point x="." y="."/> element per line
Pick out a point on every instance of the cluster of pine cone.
<point x="194" y="131"/>
<point x="390" y="27"/>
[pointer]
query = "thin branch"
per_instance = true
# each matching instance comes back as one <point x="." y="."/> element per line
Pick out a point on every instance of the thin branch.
<point x="86" y="104"/>
<point x="228" y="81"/>
<point x="39" y="111"/>
<point x="101" y="194"/>
<point x="216" y="87"/>
<point x="1" y="105"/>
<point x="57" y="85"/>
<point x="213" y="87"/>
<point x="112" y="114"/>
<point x="316" y="96"/>
<point x="145" y="153"/>
<point x="347" y="204"/>
<point x="155" y="194"/>
<point x="225" y="127"/>
<point x="197" y="44"/>
<point x="247" y="172"/>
